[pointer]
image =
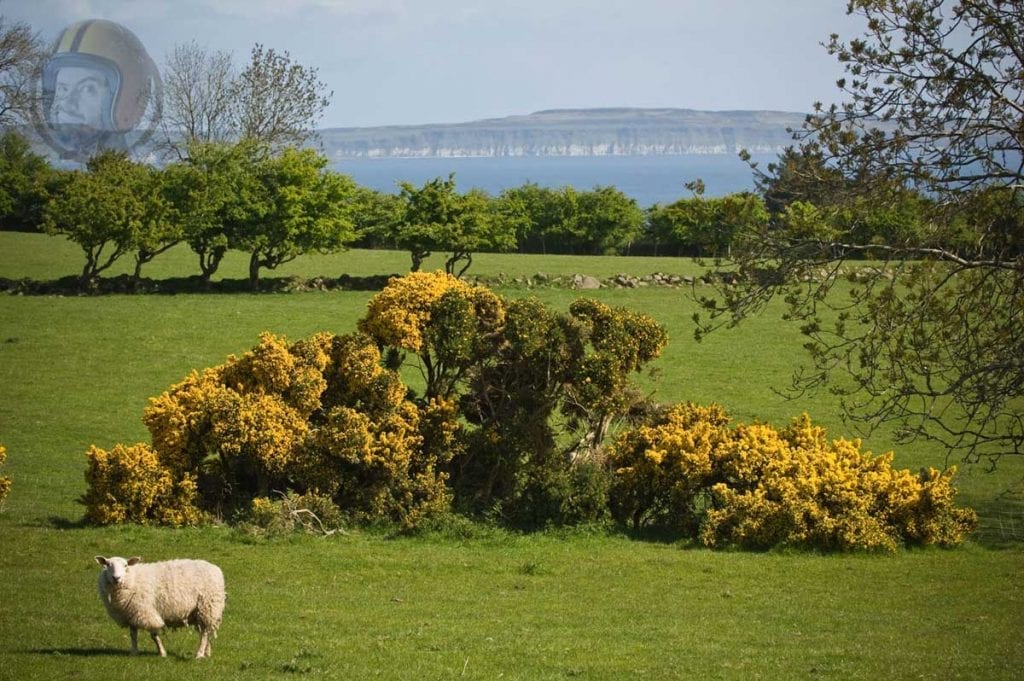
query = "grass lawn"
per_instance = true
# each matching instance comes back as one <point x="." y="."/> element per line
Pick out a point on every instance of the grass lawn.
<point x="77" y="370"/>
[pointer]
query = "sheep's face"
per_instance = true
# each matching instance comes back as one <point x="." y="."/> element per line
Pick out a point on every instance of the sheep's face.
<point x="115" y="569"/>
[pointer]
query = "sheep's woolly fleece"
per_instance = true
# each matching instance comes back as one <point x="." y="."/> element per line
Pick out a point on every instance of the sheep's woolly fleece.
<point x="151" y="596"/>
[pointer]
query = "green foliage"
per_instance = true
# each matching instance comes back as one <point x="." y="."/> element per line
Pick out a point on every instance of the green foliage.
<point x="915" y="167"/>
<point x="216" y="195"/>
<point x="291" y="513"/>
<point x="112" y="208"/>
<point x="26" y="182"/>
<point x="755" y="487"/>
<point x="545" y="212"/>
<point x="701" y="226"/>
<point x="436" y="217"/>
<point x="565" y="220"/>
<point x="305" y="209"/>
<point x="606" y="222"/>
<point x="274" y="207"/>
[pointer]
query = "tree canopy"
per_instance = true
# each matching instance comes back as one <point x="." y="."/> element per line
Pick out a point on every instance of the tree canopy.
<point x="932" y="337"/>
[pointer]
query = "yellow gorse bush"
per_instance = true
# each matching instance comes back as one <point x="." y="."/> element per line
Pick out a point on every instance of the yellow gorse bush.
<point x="400" y="315"/>
<point x="318" y="416"/>
<point x="129" y="484"/>
<point x="758" y="487"/>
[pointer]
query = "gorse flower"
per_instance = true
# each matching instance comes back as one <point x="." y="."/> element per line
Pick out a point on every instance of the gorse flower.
<point x="757" y="487"/>
<point x="320" y="415"/>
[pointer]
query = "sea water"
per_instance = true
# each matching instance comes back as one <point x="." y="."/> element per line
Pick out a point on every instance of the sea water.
<point x="648" y="179"/>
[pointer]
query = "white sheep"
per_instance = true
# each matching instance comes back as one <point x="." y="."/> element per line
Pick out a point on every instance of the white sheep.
<point x="171" y="593"/>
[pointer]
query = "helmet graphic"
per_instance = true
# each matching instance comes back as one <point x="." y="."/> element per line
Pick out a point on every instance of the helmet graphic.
<point x="113" y="53"/>
<point x="98" y="89"/>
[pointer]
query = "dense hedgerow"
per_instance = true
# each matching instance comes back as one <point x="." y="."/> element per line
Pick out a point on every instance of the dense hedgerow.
<point x="5" y="482"/>
<point x="757" y="487"/>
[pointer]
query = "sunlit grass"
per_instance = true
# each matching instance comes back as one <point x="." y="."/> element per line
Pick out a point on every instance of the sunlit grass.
<point x="78" y="370"/>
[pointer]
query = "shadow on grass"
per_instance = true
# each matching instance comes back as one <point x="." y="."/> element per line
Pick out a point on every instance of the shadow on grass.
<point x="58" y="523"/>
<point x="82" y="652"/>
<point x="126" y="285"/>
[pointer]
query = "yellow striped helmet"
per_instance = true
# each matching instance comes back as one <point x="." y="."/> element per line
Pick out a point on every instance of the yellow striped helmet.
<point x="115" y="52"/>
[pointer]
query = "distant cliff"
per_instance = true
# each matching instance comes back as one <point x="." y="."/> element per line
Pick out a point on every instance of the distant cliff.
<point x="573" y="132"/>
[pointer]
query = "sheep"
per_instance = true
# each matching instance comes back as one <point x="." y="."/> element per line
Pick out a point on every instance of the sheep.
<point x="172" y="593"/>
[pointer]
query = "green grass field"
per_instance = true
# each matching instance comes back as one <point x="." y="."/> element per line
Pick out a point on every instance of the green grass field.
<point x="488" y="604"/>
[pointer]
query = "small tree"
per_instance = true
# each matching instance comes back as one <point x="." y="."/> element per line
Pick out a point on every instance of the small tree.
<point x="706" y="226"/>
<point x="448" y="324"/>
<point x="199" y="105"/>
<point x="21" y="52"/>
<point x="277" y="100"/>
<point x="26" y="181"/>
<point x="305" y="208"/>
<point x="216" y="193"/>
<point x="543" y="215"/>
<point x="112" y="208"/>
<point x="436" y="217"/>
<point x="606" y="221"/>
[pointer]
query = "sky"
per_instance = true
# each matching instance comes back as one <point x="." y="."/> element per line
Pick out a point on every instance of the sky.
<point x="406" y="62"/>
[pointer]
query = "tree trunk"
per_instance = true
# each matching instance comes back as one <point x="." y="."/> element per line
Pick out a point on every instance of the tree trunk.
<point x="209" y="261"/>
<point x="254" y="270"/>
<point x="417" y="259"/>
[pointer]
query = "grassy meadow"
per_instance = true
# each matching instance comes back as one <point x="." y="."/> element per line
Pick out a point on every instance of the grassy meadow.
<point x="470" y="602"/>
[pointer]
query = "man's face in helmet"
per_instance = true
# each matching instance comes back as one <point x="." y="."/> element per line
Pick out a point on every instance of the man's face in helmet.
<point x="80" y="98"/>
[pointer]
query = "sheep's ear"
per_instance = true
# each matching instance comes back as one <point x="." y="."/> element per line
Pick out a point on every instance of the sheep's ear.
<point x="101" y="560"/>
<point x="133" y="560"/>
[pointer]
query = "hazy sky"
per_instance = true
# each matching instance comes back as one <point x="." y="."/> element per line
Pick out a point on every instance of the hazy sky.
<point x="444" y="61"/>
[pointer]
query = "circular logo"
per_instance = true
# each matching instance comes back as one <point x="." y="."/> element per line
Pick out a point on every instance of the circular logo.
<point x="98" y="89"/>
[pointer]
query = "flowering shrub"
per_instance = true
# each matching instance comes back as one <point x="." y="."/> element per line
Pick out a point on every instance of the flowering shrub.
<point x="130" y="485"/>
<point x="446" y="322"/>
<point x="5" y="482"/>
<point x="662" y="469"/>
<point x="621" y="342"/>
<point x="756" y="487"/>
<point x="319" y="416"/>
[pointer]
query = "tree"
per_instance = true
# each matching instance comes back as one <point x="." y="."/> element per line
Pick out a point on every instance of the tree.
<point x="705" y="226"/>
<point x="447" y="324"/>
<point x="272" y="100"/>
<point x="545" y="212"/>
<point x="933" y="338"/>
<point x="110" y="209"/>
<point x="20" y="53"/>
<point x="304" y="208"/>
<point x="26" y="181"/>
<point x="199" y="105"/>
<point x="607" y="221"/>
<point x="279" y="101"/>
<point x="436" y="217"/>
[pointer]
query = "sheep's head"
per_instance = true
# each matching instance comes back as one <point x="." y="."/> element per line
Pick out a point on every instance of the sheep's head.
<point x="115" y="568"/>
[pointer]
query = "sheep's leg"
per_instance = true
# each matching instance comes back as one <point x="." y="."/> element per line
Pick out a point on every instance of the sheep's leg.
<point x="135" y="640"/>
<point x="159" y="643"/>
<point x="204" y="645"/>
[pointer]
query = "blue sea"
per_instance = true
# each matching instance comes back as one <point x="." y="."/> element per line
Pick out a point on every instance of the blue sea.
<point x="648" y="179"/>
